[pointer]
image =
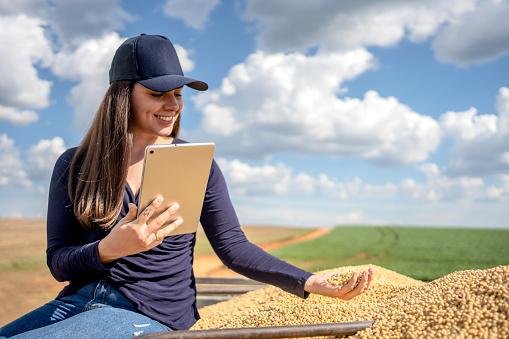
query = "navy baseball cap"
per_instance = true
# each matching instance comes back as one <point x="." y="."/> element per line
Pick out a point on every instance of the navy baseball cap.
<point x="152" y="61"/>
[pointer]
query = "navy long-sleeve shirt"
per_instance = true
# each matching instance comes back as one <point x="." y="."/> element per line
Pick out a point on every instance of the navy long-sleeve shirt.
<point x="160" y="281"/>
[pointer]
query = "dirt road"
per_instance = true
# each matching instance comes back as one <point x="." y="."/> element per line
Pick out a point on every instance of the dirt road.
<point x="211" y="266"/>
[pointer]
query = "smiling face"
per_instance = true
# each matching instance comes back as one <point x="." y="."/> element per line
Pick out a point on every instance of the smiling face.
<point x="154" y="113"/>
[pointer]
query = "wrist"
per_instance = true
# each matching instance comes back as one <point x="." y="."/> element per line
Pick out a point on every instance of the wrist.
<point x="308" y="285"/>
<point x="104" y="256"/>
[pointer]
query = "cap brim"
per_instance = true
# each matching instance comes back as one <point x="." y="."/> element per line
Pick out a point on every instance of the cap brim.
<point x="167" y="83"/>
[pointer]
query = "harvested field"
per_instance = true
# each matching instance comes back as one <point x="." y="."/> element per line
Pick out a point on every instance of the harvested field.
<point x="463" y="304"/>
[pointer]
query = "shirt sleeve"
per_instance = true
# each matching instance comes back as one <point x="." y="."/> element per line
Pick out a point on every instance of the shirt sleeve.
<point x="68" y="258"/>
<point x="222" y="228"/>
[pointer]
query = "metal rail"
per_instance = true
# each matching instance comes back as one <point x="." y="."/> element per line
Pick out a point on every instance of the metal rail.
<point x="214" y="290"/>
<point x="297" y="331"/>
<point x="236" y="281"/>
<point x="226" y="289"/>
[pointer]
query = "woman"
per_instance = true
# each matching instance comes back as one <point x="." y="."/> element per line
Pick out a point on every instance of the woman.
<point x="127" y="276"/>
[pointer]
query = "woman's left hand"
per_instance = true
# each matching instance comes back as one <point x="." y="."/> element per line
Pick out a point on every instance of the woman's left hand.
<point x="318" y="284"/>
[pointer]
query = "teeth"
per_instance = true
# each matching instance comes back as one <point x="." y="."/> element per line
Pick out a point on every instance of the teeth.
<point x="163" y="117"/>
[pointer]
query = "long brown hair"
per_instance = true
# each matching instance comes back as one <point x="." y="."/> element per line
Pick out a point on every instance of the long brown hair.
<point x="98" y="171"/>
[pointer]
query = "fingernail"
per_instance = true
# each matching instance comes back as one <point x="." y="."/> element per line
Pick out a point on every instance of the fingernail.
<point x="175" y="207"/>
<point x="159" y="198"/>
<point x="180" y="221"/>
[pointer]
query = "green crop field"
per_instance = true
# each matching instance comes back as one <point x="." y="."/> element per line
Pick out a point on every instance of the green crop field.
<point x="421" y="253"/>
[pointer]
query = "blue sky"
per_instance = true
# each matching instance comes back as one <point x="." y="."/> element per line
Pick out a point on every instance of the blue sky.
<point x="323" y="112"/>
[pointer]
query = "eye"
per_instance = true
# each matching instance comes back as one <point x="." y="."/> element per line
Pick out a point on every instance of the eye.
<point x="178" y="95"/>
<point x="156" y="94"/>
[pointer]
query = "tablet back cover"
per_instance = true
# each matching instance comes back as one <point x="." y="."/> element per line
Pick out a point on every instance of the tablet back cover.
<point x="179" y="172"/>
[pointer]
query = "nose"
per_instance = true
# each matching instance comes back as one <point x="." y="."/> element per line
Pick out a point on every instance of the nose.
<point x="170" y="102"/>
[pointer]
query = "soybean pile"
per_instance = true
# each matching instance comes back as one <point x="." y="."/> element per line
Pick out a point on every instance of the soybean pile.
<point x="463" y="304"/>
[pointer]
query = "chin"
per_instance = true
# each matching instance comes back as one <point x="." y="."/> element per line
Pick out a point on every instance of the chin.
<point x="164" y="132"/>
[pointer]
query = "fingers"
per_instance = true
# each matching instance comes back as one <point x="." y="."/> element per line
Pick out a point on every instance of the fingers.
<point x="328" y="275"/>
<point x="159" y="235"/>
<point x="130" y="215"/>
<point x="371" y="276"/>
<point x="153" y="237"/>
<point x="132" y="212"/>
<point x="168" y="229"/>
<point x="350" y="285"/>
<point x="150" y="209"/>
<point x="361" y="286"/>
<point x="163" y="218"/>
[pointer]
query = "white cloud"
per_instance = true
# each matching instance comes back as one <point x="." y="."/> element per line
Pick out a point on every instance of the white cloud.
<point x="11" y="167"/>
<point x="194" y="13"/>
<point x="274" y="193"/>
<point x="14" y="215"/>
<point x="475" y="37"/>
<point x="468" y="125"/>
<point x="185" y="60"/>
<point x="78" y="21"/>
<point x="219" y="119"/>
<point x="278" y="102"/>
<point x="69" y="63"/>
<point x="17" y="116"/>
<point x="255" y="180"/>
<point x="355" y="217"/>
<point x="294" y="216"/>
<point x="30" y="7"/>
<point x="480" y="142"/>
<point x="22" y="92"/>
<point x="37" y="166"/>
<point x="279" y="180"/>
<point x="504" y="179"/>
<point x="464" y="32"/>
<point x="503" y="102"/>
<point x="439" y="187"/>
<point x="289" y="25"/>
<point x="72" y="22"/>
<point x="21" y="88"/>
<point x="42" y="157"/>
<point x="499" y="192"/>
<point x="92" y="75"/>
<point x="273" y="180"/>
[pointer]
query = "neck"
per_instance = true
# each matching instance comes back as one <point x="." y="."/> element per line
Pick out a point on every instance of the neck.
<point x="140" y="142"/>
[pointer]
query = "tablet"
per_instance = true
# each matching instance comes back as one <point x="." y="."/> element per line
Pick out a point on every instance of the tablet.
<point x="179" y="172"/>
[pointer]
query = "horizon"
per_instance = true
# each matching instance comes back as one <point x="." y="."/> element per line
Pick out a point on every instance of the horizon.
<point x="452" y="227"/>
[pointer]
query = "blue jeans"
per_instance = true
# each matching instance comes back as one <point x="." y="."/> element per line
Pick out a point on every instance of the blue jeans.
<point x="96" y="310"/>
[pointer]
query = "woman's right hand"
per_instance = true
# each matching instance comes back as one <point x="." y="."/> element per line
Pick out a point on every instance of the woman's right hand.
<point x="133" y="234"/>
<point x="357" y="284"/>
